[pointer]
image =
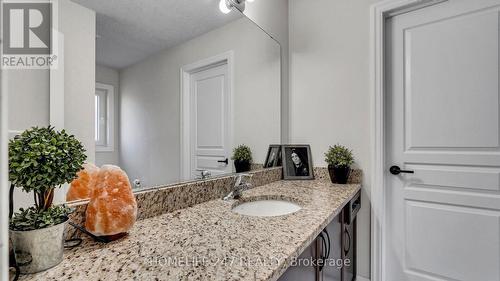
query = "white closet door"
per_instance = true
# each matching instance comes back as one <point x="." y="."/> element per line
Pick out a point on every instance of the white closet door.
<point x="443" y="220"/>
<point x="210" y="132"/>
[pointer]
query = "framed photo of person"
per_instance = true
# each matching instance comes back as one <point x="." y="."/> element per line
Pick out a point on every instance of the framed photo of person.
<point x="297" y="162"/>
<point x="273" y="158"/>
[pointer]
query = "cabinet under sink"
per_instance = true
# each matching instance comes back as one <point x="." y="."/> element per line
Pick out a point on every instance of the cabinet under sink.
<point x="332" y="255"/>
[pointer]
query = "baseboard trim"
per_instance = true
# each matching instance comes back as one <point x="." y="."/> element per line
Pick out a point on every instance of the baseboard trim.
<point x="359" y="278"/>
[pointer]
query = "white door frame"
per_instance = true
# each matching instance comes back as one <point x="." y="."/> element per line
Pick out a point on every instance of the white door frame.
<point x="378" y="14"/>
<point x="186" y="71"/>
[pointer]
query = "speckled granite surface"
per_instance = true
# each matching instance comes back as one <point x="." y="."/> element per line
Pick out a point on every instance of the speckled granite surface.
<point x="256" y="166"/>
<point x="164" y="199"/>
<point x="321" y="173"/>
<point x="210" y="242"/>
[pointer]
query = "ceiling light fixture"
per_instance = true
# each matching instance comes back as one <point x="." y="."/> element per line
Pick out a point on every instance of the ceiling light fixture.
<point x="223" y="7"/>
<point x="226" y="6"/>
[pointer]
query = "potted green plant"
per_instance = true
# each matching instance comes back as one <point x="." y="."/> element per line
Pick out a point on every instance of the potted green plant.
<point x="41" y="160"/>
<point x="339" y="159"/>
<point x="242" y="157"/>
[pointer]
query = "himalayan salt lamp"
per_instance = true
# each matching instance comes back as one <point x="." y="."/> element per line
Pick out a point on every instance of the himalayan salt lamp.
<point x="112" y="208"/>
<point x="80" y="188"/>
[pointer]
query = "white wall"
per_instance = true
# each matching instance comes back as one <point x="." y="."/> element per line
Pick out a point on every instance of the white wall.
<point x="29" y="90"/>
<point x="110" y="76"/>
<point x="150" y="100"/>
<point x="272" y="16"/>
<point x="77" y="23"/>
<point x="28" y="103"/>
<point x="329" y="88"/>
<point x="28" y="106"/>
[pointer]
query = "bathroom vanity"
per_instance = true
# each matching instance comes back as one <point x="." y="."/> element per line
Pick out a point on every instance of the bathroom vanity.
<point x="208" y="241"/>
<point x="166" y="91"/>
<point x="332" y="255"/>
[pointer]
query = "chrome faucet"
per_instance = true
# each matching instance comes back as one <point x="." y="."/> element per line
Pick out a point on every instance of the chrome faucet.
<point x="239" y="187"/>
<point x="204" y="175"/>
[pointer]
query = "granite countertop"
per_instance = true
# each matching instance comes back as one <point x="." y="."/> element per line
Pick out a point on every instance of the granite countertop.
<point x="209" y="241"/>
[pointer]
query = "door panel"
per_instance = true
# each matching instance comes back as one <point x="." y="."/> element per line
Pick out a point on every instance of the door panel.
<point x="209" y="98"/>
<point x="443" y="221"/>
<point x="456" y="177"/>
<point x="448" y="248"/>
<point x="450" y="197"/>
<point x="452" y="96"/>
<point x="208" y="163"/>
<point x="210" y="129"/>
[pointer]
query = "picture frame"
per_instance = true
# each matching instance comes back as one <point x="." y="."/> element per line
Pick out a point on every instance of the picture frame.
<point x="297" y="162"/>
<point x="273" y="158"/>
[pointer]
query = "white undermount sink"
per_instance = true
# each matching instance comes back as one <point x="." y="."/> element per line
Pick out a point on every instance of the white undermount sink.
<point x="266" y="208"/>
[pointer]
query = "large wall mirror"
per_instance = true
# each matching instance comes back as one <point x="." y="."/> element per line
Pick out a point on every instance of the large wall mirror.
<point x="163" y="89"/>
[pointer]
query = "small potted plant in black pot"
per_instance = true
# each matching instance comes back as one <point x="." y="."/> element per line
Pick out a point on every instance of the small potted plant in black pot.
<point x="339" y="159"/>
<point x="242" y="157"/>
<point x="41" y="160"/>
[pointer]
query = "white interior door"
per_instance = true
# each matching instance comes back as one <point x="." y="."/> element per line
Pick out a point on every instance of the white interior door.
<point x="210" y="127"/>
<point x="443" y="221"/>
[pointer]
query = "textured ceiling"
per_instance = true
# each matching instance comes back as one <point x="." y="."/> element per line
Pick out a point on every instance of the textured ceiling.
<point x="128" y="31"/>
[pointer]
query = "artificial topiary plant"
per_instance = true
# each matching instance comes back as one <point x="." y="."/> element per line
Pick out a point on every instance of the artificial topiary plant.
<point x="242" y="153"/>
<point x="339" y="159"/>
<point x="339" y="156"/>
<point x="40" y="160"/>
<point x="242" y="156"/>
